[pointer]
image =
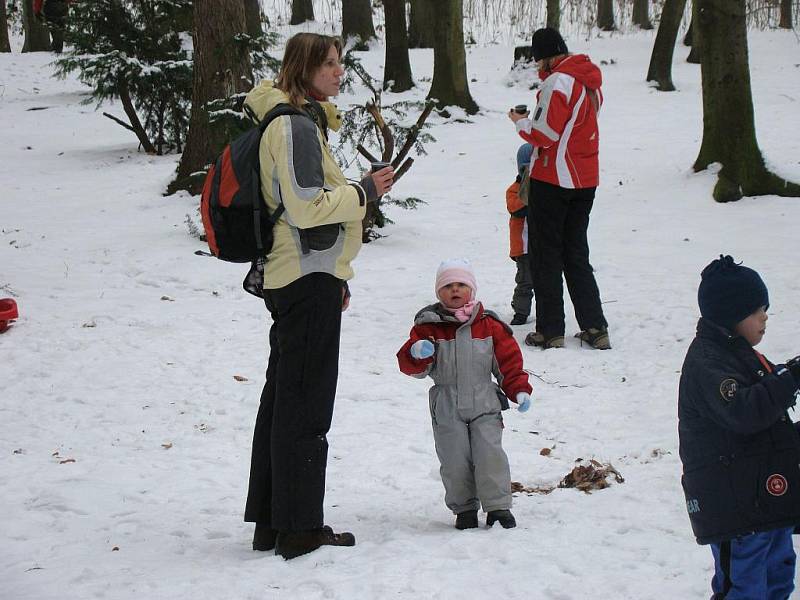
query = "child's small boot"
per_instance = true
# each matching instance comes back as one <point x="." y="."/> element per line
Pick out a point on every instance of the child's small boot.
<point x="467" y="519"/>
<point x="504" y="517"/>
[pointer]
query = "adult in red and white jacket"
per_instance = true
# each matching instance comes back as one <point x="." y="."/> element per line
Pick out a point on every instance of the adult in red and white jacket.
<point x="564" y="176"/>
<point x="467" y="345"/>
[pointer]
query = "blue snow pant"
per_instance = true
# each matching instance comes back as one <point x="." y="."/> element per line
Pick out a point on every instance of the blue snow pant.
<point x="759" y="566"/>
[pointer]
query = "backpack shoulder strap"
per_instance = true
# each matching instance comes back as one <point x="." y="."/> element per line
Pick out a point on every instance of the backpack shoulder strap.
<point x="279" y="110"/>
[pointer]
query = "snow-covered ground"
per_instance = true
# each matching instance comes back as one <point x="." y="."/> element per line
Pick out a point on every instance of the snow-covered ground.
<point x="125" y="438"/>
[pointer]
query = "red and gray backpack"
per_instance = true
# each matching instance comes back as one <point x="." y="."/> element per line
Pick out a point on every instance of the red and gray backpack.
<point x="237" y="224"/>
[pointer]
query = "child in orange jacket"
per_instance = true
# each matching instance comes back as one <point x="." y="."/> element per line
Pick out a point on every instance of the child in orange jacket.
<point x="518" y="229"/>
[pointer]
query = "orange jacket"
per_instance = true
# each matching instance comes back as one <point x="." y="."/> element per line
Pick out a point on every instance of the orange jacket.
<point x="518" y="223"/>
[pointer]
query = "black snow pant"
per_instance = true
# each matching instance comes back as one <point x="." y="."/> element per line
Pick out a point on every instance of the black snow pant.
<point x="55" y="13"/>
<point x="558" y="219"/>
<point x="290" y="447"/>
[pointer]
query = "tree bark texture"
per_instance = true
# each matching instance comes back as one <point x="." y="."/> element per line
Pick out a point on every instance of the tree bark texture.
<point x="692" y="39"/>
<point x="449" y="86"/>
<point x="397" y="67"/>
<point x="252" y="17"/>
<point x="786" y="14"/>
<point x="221" y="69"/>
<point x="37" y="36"/>
<point x="729" y="135"/>
<point x="641" y="14"/>
<point x="660" y="69"/>
<point x="605" y="15"/>
<point x="302" y="11"/>
<point x="357" y="22"/>
<point x="554" y="14"/>
<point x="5" y="44"/>
<point x="421" y="28"/>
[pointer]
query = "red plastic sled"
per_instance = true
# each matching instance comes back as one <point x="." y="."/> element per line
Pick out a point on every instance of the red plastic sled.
<point x="8" y="312"/>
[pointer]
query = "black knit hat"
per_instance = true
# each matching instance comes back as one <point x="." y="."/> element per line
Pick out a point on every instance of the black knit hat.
<point x="547" y="42"/>
<point x="730" y="292"/>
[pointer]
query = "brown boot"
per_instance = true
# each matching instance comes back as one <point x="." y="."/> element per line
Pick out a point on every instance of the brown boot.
<point x="534" y="338"/>
<point x="291" y="544"/>
<point x="596" y="338"/>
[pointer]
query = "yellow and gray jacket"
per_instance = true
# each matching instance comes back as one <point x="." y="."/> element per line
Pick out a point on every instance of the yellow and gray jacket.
<point x="320" y="229"/>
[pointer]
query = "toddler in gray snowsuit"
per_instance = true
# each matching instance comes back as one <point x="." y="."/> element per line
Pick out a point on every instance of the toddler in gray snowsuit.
<point x="460" y="346"/>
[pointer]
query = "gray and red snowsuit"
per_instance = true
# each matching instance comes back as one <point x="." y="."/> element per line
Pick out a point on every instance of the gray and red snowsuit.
<point x="465" y="403"/>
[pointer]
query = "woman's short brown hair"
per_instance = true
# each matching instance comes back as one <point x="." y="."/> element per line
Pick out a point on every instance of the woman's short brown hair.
<point x="304" y="54"/>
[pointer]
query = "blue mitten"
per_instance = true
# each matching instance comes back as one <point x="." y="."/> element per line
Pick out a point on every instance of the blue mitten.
<point x="523" y="401"/>
<point x="422" y="349"/>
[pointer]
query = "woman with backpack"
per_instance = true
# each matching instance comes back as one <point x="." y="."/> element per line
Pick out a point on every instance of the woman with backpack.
<point x="316" y="237"/>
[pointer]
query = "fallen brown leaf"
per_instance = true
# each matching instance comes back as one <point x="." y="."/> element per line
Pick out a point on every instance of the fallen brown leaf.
<point x="240" y="378"/>
<point x="167" y="446"/>
<point x="545" y="451"/>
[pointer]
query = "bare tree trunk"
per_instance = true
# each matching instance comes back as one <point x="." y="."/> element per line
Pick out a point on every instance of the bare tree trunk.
<point x="660" y="69"/>
<point x="357" y="22"/>
<point x="693" y="37"/>
<point x="302" y="11"/>
<point x="252" y="17"/>
<point x="5" y="44"/>
<point x="786" y="14"/>
<point x="554" y="14"/>
<point x="397" y="67"/>
<point x="641" y="14"/>
<point x="37" y="37"/>
<point x="421" y="30"/>
<point x="449" y="86"/>
<point x="221" y="69"/>
<point x="605" y="15"/>
<point x="729" y="135"/>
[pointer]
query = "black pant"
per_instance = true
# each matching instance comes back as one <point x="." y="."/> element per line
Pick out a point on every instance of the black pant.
<point x="558" y="219"/>
<point x="55" y="13"/>
<point x="290" y="448"/>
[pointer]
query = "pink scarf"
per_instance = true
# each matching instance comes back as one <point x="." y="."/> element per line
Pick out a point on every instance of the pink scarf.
<point x="465" y="312"/>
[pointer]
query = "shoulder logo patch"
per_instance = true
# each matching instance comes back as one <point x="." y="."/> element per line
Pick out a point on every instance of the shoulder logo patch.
<point x="777" y="484"/>
<point x="727" y="389"/>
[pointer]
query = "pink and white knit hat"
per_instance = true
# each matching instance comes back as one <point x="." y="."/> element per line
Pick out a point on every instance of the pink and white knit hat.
<point x="456" y="270"/>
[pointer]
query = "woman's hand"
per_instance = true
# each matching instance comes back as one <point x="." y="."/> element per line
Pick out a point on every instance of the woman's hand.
<point x="383" y="180"/>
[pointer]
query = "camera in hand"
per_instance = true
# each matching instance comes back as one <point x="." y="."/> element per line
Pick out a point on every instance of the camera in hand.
<point x="521" y="109"/>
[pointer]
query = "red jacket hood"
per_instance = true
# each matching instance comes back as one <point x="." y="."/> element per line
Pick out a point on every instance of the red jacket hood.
<point x="581" y="68"/>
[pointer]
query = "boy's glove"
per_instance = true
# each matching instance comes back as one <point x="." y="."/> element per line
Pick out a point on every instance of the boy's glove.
<point x="421" y="349"/>
<point x="523" y="401"/>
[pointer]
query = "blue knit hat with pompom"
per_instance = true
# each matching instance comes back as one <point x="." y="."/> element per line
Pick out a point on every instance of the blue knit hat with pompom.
<point x="730" y="292"/>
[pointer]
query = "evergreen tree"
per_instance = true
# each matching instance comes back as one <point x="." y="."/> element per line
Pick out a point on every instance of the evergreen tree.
<point x="127" y="49"/>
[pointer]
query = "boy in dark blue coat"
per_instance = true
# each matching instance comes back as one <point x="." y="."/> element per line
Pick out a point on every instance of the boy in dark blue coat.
<point x="739" y="448"/>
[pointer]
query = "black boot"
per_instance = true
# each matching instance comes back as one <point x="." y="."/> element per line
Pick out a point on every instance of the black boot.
<point x="467" y="519"/>
<point x="505" y="518"/>
<point x="264" y="537"/>
<point x="291" y="544"/>
<point x="519" y="319"/>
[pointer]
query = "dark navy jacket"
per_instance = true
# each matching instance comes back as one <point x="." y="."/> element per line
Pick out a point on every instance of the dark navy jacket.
<point x="739" y="448"/>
